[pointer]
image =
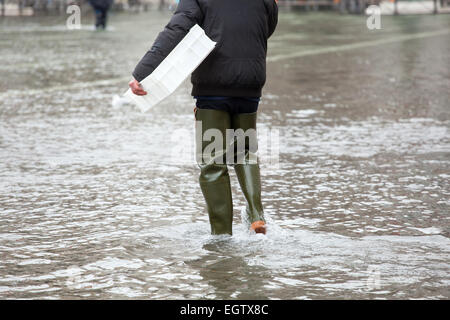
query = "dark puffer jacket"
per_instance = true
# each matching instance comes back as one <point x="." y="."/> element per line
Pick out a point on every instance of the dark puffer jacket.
<point x="237" y="66"/>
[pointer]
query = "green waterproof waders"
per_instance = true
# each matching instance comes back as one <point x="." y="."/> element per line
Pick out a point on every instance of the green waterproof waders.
<point x="246" y="165"/>
<point x="212" y="153"/>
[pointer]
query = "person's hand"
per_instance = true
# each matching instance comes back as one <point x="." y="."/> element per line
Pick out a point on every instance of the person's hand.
<point x="136" y="88"/>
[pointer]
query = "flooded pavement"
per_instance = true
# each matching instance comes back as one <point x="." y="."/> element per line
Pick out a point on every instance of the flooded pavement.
<point x="358" y="205"/>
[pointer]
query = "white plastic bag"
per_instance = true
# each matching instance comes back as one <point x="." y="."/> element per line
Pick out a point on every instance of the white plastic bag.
<point x="174" y="69"/>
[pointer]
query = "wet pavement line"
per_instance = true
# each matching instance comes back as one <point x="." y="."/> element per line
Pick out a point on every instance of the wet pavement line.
<point x="79" y="85"/>
<point x="363" y="44"/>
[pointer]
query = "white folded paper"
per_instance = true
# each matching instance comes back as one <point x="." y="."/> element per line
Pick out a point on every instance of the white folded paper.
<point x="174" y="69"/>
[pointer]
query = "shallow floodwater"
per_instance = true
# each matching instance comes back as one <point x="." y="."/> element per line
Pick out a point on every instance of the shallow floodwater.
<point x="102" y="201"/>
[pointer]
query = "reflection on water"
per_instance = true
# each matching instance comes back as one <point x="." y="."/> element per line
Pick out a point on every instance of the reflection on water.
<point x="91" y="207"/>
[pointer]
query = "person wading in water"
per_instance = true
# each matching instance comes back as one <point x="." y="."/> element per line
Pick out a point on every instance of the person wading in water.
<point x="227" y="87"/>
<point x="101" y="8"/>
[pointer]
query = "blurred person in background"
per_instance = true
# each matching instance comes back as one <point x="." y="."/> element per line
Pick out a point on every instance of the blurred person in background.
<point x="227" y="86"/>
<point x="134" y="5"/>
<point x="101" y="8"/>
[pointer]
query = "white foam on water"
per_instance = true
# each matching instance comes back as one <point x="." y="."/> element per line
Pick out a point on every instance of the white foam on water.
<point x="293" y="249"/>
<point x="119" y="101"/>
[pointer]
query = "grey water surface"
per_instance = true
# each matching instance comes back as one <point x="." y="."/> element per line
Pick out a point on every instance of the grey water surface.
<point x="100" y="201"/>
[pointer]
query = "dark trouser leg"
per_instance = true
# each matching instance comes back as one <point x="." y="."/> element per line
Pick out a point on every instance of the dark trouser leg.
<point x="97" y="17"/>
<point x="104" y="17"/>
<point x="214" y="179"/>
<point x="100" y="17"/>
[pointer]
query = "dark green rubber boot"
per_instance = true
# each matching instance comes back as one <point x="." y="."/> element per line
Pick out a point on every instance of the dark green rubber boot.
<point x="247" y="168"/>
<point x="211" y="158"/>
